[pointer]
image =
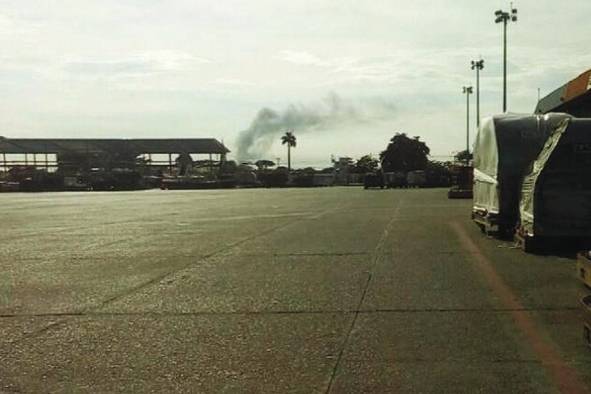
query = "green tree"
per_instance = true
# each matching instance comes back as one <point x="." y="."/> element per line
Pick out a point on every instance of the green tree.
<point x="264" y="164"/>
<point x="366" y="164"/>
<point x="290" y="140"/>
<point x="405" y="154"/>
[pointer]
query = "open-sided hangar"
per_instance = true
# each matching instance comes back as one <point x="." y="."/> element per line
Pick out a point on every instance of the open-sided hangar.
<point x="83" y="154"/>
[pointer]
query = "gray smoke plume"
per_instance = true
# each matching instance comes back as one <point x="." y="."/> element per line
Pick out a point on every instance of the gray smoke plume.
<point x="331" y="113"/>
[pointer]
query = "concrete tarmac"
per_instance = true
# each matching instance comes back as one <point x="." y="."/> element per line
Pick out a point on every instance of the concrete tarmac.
<point x="328" y="290"/>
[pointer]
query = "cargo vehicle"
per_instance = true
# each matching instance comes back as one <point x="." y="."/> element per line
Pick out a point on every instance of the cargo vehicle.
<point x="372" y="179"/>
<point x="395" y="179"/>
<point x="462" y="181"/>
<point x="505" y="147"/>
<point x="555" y="201"/>
<point x="416" y="178"/>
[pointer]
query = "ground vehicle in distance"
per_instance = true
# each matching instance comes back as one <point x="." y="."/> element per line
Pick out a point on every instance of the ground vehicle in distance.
<point x="373" y="179"/>
<point x="395" y="179"/>
<point x="462" y="181"/>
<point x="416" y="178"/>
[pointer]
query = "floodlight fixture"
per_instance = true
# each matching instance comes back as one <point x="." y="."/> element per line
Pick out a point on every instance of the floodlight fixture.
<point x="477" y="65"/>
<point x="505" y="17"/>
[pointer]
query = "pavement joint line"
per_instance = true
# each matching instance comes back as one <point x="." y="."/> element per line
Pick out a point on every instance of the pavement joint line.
<point x="283" y="312"/>
<point x="159" y="278"/>
<point x="185" y="266"/>
<point x="378" y="250"/>
<point x="564" y="377"/>
<point x="320" y="254"/>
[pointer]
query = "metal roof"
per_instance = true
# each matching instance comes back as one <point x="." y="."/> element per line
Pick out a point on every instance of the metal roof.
<point x="138" y="146"/>
<point x="573" y="98"/>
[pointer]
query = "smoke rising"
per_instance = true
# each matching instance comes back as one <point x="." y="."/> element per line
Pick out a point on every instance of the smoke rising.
<point x="331" y="114"/>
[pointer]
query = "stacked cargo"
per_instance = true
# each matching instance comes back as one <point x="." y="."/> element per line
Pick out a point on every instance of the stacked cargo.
<point x="532" y="178"/>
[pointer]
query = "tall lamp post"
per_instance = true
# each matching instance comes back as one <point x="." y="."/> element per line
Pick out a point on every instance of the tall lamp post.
<point x="467" y="90"/>
<point x="505" y="17"/>
<point x="477" y="65"/>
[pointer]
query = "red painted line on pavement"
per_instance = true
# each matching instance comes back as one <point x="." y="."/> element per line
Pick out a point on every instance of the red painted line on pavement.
<point x="563" y="375"/>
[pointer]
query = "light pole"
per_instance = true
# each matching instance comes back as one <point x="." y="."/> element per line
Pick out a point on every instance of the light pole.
<point x="467" y="90"/>
<point x="505" y="17"/>
<point x="477" y="65"/>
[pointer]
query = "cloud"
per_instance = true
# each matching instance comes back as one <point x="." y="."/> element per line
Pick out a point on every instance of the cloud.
<point x="233" y="82"/>
<point x="302" y="58"/>
<point x="145" y="63"/>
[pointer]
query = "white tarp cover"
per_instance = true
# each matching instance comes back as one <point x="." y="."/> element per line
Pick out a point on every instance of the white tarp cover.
<point x="505" y="146"/>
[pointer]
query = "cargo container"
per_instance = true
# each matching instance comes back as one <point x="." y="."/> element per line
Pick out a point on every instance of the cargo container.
<point x="505" y="147"/>
<point x="556" y="192"/>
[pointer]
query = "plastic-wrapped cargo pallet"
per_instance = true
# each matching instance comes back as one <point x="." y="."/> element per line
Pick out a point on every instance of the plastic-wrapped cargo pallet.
<point x="556" y="193"/>
<point x="505" y="147"/>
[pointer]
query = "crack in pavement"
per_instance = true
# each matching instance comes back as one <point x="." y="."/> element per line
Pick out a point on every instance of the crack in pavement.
<point x="378" y="252"/>
<point x="287" y="312"/>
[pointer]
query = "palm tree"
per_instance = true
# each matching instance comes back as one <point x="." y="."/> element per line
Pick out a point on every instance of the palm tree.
<point x="289" y="139"/>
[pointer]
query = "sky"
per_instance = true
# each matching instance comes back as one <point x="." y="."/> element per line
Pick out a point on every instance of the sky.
<point x="201" y="68"/>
